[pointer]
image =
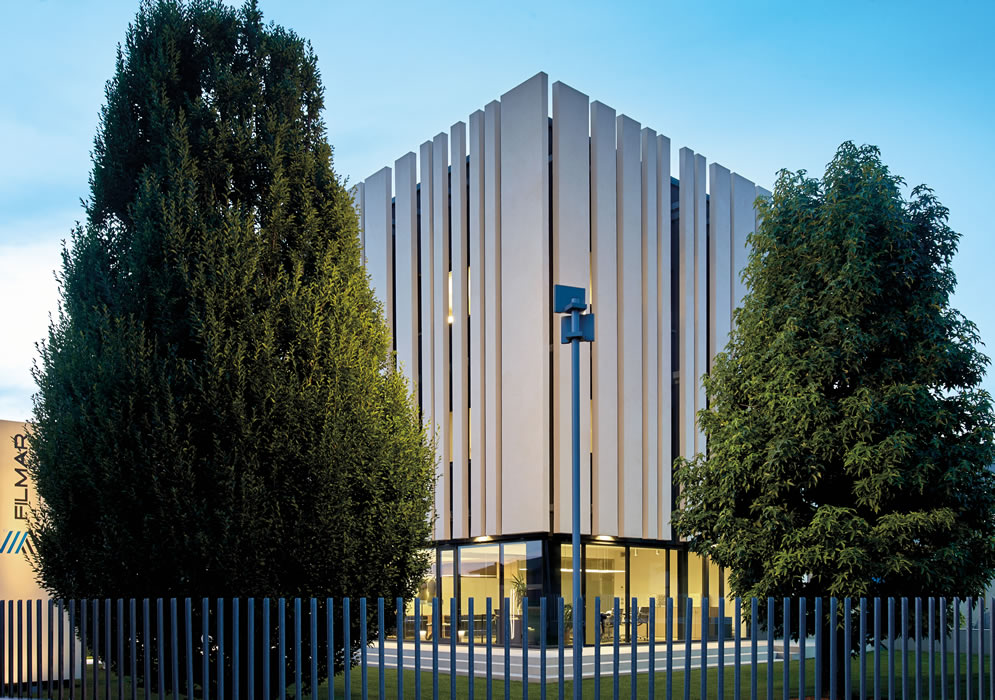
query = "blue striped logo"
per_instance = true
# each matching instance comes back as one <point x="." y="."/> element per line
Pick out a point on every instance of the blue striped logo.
<point x="14" y="542"/>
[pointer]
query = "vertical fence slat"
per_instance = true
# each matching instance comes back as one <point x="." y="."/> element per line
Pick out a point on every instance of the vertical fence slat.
<point x="862" y="640"/>
<point x="298" y="670"/>
<point x="418" y="648"/>
<point x="120" y="649"/>
<point x="651" y="678"/>
<point x="95" y="676"/>
<point x="346" y="642"/>
<point x="956" y="625"/>
<point x="720" y="642"/>
<point x="281" y="654"/>
<point x="904" y="627"/>
<point x="27" y="630"/>
<point x="833" y="660"/>
<point x="489" y="653"/>
<point x="470" y="663"/>
<point x="542" y="648"/>
<point x="525" y="653"/>
<point x="62" y="648"/>
<point x="205" y="649"/>
<point x="221" y="646"/>
<point x="17" y="688"/>
<point x="40" y="649"/>
<point x="84" y="628"/>
<point x="559" y="646"/>
<point x="770" y="649"/>
<point x="981" y="648"/>
<point x="991" y="649"/>
<point x="600" y="629"/>
<point x="453" y="637"/>
<point x="817" y="630"/>
<point x="918" y="648"/>
<point x="801" y="647"/>
<point x="399" y="625"/>
<point x="786" y="666"/>
<point x="633" y="637"/>
<point x="72" y="648"/>
<point x="235" y="644"/>
<point x="932" y="648"/>
<point x="146" y="648"/>
<point x="754" y="639"/>
<point x="847" y="637"/>
<point x="250" y="649"/>
<point x="313" y="625"/>
<point x="703" y="676"/>
<point x="267" y="671"/>
<point x="436" y="631"/>
<point x="108" y="639"/>
<point x="329" y="645"/>
<point x="891" y="647"/>
<point x="943" y="648"/>
<point x="819" y="660"/>
<point x="51" y="648"/>
<point x="616" y="620"/>
<point x="737" y="634"/>
<point x="160" y="651"/>
<point x="688" y="622"/>
<point x="506" y="615"/>
<point x="188" y="644"/>
<point x="174" y="656"/>
<point x="381" y="693"/>
<point x="670" y="648"/>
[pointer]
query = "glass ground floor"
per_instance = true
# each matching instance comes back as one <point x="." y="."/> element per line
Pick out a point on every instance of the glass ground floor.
<point x="510" y="571"/>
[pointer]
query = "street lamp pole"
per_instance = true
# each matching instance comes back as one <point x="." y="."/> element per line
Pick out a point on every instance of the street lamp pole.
<point x="575" y="328"/>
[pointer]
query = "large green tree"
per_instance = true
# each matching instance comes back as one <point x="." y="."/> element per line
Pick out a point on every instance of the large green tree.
<point x="848" y="437"/>
<point x="219" y="412"/>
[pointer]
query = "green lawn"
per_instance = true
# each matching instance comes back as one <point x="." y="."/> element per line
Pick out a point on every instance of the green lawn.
<point x="642" y="690"/>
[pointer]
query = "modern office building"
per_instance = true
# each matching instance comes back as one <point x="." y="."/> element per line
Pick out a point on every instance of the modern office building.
<point x="463" y="242"/>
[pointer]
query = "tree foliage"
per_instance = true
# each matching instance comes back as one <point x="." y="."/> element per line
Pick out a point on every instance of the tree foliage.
<point x="219" y="412"/>
<point x="848" y="437"/>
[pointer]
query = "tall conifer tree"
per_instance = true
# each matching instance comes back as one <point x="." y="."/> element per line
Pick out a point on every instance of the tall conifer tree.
<point x="219" y="411"/>
<point x="849" y="440"/>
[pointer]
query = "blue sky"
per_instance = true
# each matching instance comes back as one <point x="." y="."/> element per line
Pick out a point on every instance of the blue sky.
<point x="755" y="86"/>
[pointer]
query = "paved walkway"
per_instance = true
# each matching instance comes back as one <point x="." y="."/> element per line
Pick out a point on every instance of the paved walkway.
<point x="516" y="665"/>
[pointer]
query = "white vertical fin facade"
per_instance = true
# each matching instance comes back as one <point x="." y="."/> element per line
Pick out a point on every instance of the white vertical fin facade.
<point x="476" y="339"/>
<point x="406" y="265"/>
<point x="571" y="266"/>
<point x="650" y="319"/>
<point x="440" y="320"/>
<point x="664" y="341"/>
<point x="630" y="327"/>
<point x="525" y="307"/>
<point x="426" y="388"/>
<point x="700" y="297"/>
<point x="685" y="300"/>
<point x="604" y="303"/>
<point x="460" y="339"/>
<point x="463" y="244"/>
<point x="492" y="317"/>
<point x="379" y="240"/>
<point x="719" y="260"/>
<point x="743" y="221"/>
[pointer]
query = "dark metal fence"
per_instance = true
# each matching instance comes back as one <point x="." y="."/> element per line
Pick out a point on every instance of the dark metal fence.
<point x="922" y="648"/>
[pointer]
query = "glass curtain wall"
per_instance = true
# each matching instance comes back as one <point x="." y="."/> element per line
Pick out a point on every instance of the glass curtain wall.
<point x="650" y="579"/>
<point x="480" y="579"/>
<point x="604" y="577"/>
<point x="522" y="578"/>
